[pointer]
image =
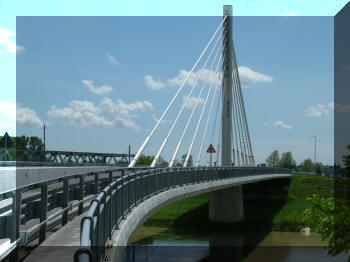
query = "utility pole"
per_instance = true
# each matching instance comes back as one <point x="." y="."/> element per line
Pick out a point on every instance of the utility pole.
<point x="315" y="150"/>
<point x="44" y="137"/>
<point x="227" y="68"/>
<point x="129" y="153"/>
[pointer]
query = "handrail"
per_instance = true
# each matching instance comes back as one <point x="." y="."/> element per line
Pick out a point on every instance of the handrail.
<point x="116" y="200"/>
<point x="36" y="200"/>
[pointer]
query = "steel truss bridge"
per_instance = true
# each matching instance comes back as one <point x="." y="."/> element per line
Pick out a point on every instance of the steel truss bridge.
<point x="54" y="157"/>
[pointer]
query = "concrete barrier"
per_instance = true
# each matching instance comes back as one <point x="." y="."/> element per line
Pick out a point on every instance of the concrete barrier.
<point x="12" y="177"/>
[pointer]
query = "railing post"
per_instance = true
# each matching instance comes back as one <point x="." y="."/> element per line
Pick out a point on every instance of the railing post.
<point x="142" y="186"/>
<point x="129" y="193"/>
<point x="96" y="183"/>
<point x="97" y="237"/>
<point x="110" y="212"/>
<point x="16" y="221"/>
<point x="123" y="197"/>
<point x="135" y="188"/>
<point x="149" y="183"/>
<point x="156" y="180"/>
<point x="65" y="200"/>
<point x="182" y="176"/>
<point x="43" y="212"/>
<point x="110" y="176"/>
<point x="168" y="174"/>
<point x="81" y="194"/>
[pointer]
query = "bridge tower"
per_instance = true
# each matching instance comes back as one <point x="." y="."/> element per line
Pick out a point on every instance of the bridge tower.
<point x="227" y="69"/>
<point x="227" y="205"/>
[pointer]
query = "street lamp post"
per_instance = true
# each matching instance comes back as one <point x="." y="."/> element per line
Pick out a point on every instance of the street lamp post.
<point x="315" y="150"/>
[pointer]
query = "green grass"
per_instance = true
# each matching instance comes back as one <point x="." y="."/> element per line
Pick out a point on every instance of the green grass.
<point x="304" y="186"/>
<point x="167" y="216"/>
<point x="276" y="205"/>
<point x="290" y="216"/>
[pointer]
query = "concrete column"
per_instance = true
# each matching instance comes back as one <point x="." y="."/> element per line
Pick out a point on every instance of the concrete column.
<point x="226" y="205"/>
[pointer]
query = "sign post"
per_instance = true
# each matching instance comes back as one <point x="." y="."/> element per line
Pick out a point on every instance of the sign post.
<point x="211" y="150"/>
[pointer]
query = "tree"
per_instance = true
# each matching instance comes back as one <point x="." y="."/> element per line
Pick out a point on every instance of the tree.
<point x="330" y="217"/>
<point x="162" y="162"/>
<point x="318" y="167"/>
<point x="35" y="144"/>
<point x="307" y="165"/>
<point x="190" y="160"/>
<point x="177" y="163"/>
<point x="145" y="160"/>
<point x="287" y="160"/>
<point x="346" y="160"/>
<point x="21" y="142"/>
<point x="273" y="159"/>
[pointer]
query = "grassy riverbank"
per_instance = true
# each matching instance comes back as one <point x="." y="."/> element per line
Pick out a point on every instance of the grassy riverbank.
<point x="274" y="205"/>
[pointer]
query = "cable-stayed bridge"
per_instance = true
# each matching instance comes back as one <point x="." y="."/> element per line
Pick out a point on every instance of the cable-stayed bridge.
<point x="123" y="198"/>
<point x="221" y="94"/>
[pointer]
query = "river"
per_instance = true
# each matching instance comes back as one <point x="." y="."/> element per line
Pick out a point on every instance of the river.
<point x="161" y="244"/>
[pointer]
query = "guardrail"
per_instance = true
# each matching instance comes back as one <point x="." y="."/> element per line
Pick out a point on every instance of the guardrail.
<point x="116" y="200"/>
<point x="48" y="201"/>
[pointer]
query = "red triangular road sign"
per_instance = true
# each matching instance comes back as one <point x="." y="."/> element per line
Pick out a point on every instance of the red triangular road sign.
<point x="211" y="149"/>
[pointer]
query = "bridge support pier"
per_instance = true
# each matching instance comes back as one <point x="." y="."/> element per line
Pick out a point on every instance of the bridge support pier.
<point x="226" y="205"/>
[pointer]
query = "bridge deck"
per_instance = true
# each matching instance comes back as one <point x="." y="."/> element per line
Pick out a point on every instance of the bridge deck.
<point x="60" y="246"/>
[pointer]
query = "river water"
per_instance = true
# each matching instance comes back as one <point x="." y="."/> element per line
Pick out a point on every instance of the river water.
<point x="161" y="244"/>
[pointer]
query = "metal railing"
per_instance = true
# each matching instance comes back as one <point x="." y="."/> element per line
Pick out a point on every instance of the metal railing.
<point x="116" y="200"/>
<point x="46" y="202"/>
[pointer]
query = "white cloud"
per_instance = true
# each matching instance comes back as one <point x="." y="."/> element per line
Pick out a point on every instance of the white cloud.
<point x="19" y="49"/>
<point x="27" y="117"/>
<point x="85" y="113"/>
<point x="191" y="102"/>
<point x="112" y="59"/>
<point x="249" y="77"/>
<point x="6" y="124"/>
<point x="8" y="109"/>
<point x="207" y="75"/>
<point x="6" y="36"/>
<point x="290" y="14"/>
<point x="102" y="90"/>
<point x="164" y="121"/>
<point x="7" y="117"/>
<point x="152" y="83"/>
<point x="121" y="107"/>
<point x="80" y="113"/>
<point x="320" y="110"/>
<point x="283" y="125"/>
<point x="121" y="111"/>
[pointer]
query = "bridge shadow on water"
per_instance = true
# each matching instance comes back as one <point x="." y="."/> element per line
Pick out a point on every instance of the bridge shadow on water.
<point x="207" y="241"/>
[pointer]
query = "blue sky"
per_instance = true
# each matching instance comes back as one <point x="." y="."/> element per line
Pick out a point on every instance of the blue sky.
<point x="69" y="63"/>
